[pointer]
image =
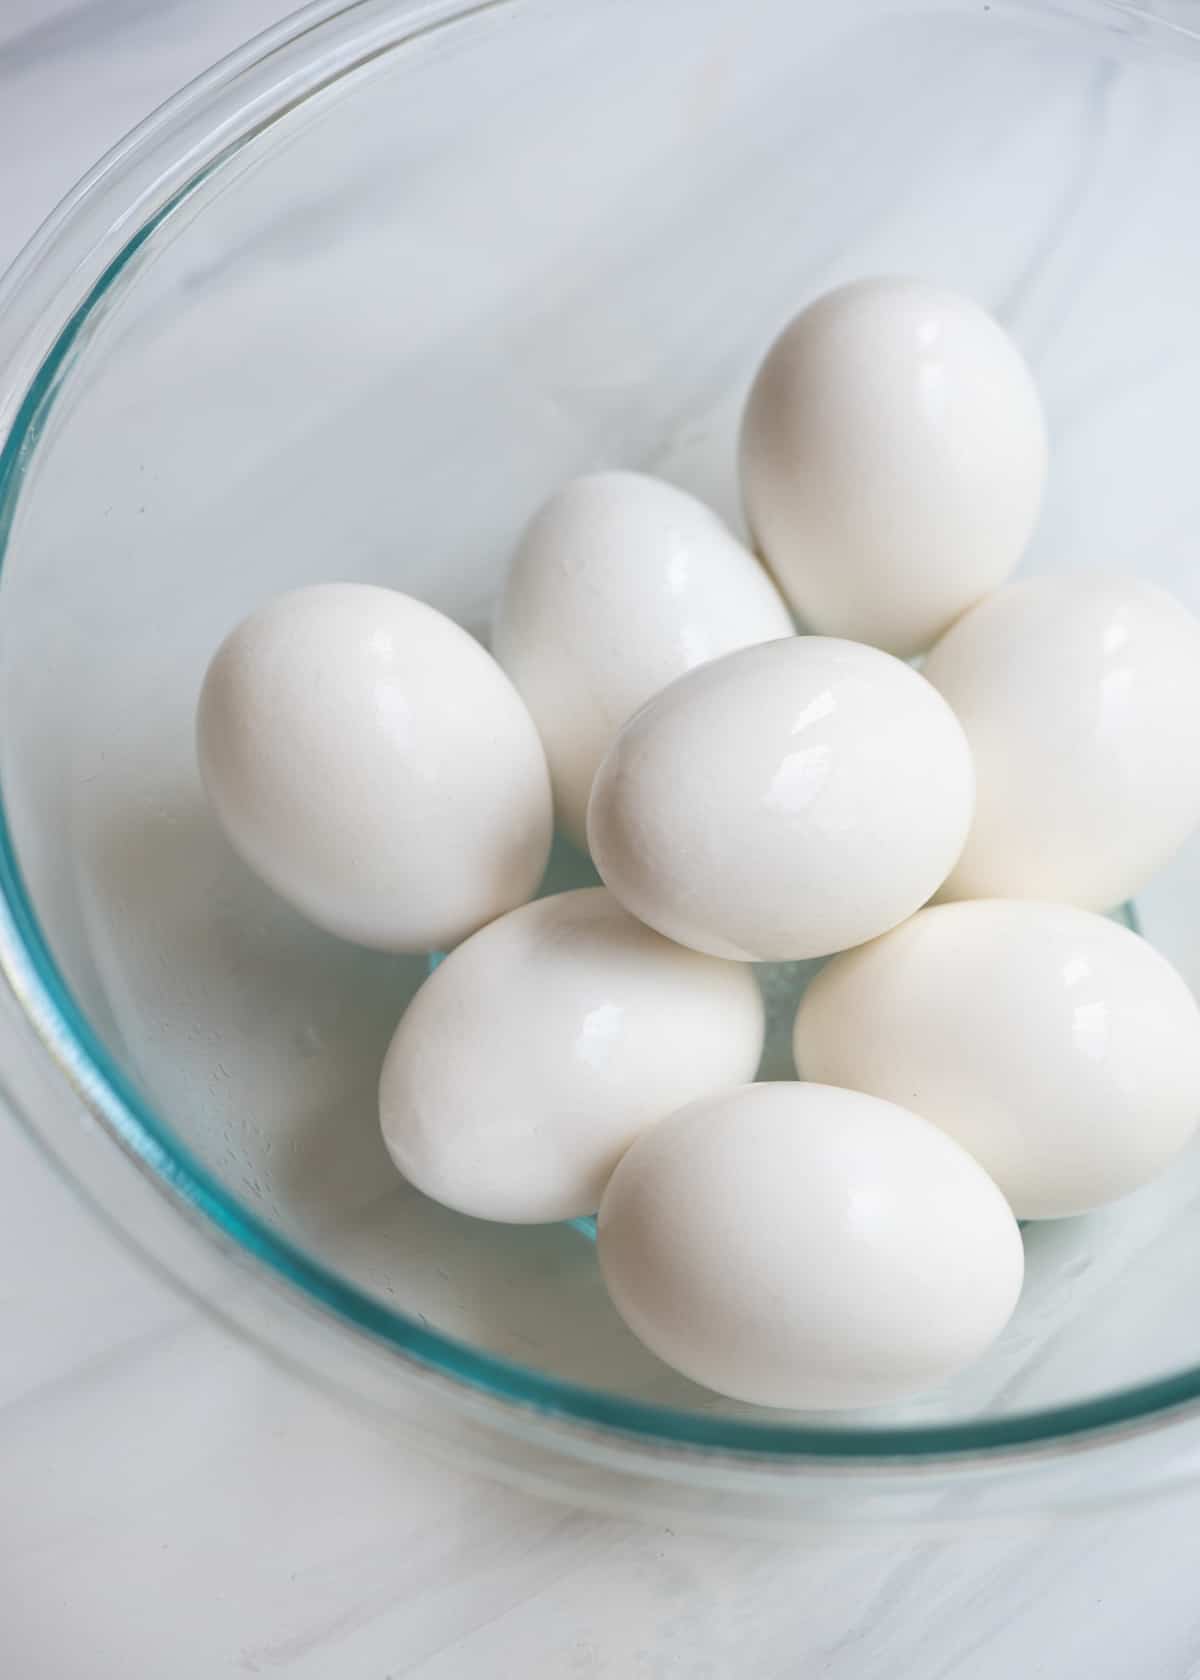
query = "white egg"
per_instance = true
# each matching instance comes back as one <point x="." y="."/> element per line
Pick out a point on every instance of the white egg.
<point x="893" y="455"/>
<point x="796" y="1245"/>
<point x="620" y="584"/>
<point x="1080" y="697"/>
<point x="1060" y="1049"/>
<point x="785" y="801"/>
<point x="534" y="1055"/>
<point x="374" y="765"/>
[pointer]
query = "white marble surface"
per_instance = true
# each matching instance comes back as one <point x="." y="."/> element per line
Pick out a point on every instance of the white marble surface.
<point x="169" y="1504"/>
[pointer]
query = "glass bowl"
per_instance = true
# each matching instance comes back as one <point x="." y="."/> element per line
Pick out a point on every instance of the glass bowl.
<point x="348" y="308"/>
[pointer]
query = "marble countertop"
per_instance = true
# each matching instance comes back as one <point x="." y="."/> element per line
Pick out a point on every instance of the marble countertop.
<point x="173" y="1505"/>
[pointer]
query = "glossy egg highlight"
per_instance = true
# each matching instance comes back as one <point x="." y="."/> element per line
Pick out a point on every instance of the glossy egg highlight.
<point x="785" y="801"/>
<point x="534" y="1055"/>
<point x="795" y="1245"/>
<point x="1080" y="696"/>
<point x="373" y="764"/>
<point x="1059" y="1048"/>
<point x="893" y="457"/>
<point x="620" y="584"/>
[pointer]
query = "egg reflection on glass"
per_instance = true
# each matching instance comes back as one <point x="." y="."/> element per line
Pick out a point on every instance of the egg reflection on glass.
<point x="893" y="456"/>
<point x="1056" y="1046"/>
<point x="1080" y="696"/>
<point x="800" y="1246"/>
<point x="785" y="801"/>
<point x="620" y="584"/>
<point x="534" y="1055"/>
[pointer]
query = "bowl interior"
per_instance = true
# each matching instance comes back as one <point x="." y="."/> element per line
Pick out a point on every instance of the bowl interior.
<point x="531" y="241"/>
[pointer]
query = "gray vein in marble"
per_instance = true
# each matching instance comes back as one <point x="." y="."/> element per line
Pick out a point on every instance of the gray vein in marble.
<point x="90" y="27"/>
<point x="97" y="1366"/>
<point x="1066" y="210"/>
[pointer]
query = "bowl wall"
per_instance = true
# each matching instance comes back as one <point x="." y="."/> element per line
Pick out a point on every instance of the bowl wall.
<point x="361" y="338"/>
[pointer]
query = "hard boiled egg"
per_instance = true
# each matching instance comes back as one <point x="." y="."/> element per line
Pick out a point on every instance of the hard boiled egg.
<point x="785" y="801"/>
<point x="374" y="765"/>
<point x="1080" y="696"/>
<point x="620" y="584"/>
<point x="1056" y="1046"/>
<point x="893" y="455"/>
<point x="534" y="1055"/>
<point x="797" y="1245"/>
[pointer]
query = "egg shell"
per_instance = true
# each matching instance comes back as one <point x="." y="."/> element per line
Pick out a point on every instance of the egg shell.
<point x="374" y="765"/>
<point x="534" y="1055"/>
<point x="620" y="584"/>
<point x="796" y="1245"/>
<point x="1080" y="696"/>
<point x="893" y="457"/>
<point x="1058" y="1047"/>
<point x="785" y="801"/>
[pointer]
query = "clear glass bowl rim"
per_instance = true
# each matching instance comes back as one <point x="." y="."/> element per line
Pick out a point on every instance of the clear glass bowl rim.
<point x="65" y="1035"/>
